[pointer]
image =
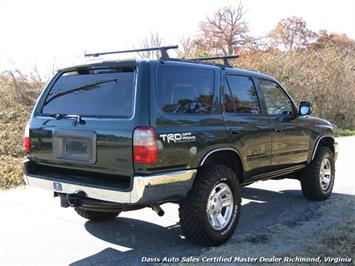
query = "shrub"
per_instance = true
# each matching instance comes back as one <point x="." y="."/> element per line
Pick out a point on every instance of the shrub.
<point x="18" y="94"/>
<point x="325" y="77"/>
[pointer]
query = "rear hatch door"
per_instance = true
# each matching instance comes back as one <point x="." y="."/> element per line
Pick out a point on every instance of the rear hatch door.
<point x="84" y="120"/>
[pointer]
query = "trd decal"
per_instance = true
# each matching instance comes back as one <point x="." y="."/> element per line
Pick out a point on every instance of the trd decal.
<point x="178" y="137"/>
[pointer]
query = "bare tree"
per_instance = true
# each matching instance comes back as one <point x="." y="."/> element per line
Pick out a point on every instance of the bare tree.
<point x="35" y="75"/>
<point x="292" y="33"/>
<point x="20" y="87"/>
<point x="224" y="31"/>
<point x="190" y="47"/>
<point x="153" y="40"/>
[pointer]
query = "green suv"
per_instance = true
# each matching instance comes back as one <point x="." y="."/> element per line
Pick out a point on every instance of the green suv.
<point x="116" y="136"/>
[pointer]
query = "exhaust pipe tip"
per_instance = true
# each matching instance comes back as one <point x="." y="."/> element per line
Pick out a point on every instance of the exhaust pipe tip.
<point x="158" y="210"/>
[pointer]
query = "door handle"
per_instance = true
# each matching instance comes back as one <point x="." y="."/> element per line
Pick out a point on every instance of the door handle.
<point x="280" y="119"/>
<point x="234" y="132"/>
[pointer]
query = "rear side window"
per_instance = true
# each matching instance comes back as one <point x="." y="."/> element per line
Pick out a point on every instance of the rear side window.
<point x="185" y="90"/>
<point x="240" y="94"/>
<point x="92" y="93"/>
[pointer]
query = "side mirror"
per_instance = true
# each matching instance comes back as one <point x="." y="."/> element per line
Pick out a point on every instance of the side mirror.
<point x="305" y="108"/>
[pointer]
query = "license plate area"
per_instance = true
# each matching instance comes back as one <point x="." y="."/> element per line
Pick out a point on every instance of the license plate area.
<point x="74" y="146"/>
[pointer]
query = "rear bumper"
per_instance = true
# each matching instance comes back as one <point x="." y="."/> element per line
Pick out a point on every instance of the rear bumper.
<point x="145" y="190"/>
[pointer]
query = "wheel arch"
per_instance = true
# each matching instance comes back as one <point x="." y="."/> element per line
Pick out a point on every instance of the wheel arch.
<point x="225" y="156"/>
<point x="327" y="141"/>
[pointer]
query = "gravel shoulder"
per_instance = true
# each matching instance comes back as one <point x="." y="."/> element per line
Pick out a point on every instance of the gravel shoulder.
<point x="276" y="220"/>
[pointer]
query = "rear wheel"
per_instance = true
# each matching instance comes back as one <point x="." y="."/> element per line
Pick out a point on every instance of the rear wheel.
<point x="210" y="212"/>
<point x="97" y="216"/>
<point x="318" y="179"/>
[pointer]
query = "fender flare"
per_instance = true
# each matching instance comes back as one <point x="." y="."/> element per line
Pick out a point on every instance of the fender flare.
<point x="317" y="144"/>
<point x="217" y="150"/>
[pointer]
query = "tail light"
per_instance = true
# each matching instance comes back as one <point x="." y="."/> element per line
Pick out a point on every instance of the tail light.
<point x="27" y="142"/>
<point x="144" y="145"/>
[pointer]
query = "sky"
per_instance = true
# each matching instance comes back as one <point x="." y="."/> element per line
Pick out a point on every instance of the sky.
<point x="46" y="35"/>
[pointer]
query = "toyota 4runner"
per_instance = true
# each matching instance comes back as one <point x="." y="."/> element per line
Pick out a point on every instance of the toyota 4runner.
<point x="115" y="136"/>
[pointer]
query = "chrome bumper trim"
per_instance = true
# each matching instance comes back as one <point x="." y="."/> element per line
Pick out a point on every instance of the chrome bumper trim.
<point x="145" y="188"/>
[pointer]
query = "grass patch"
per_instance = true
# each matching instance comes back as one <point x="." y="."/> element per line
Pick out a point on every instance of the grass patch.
<point x="337" y="242"/>
<point x="343" y="132"/>
<point x="10" y="172"/>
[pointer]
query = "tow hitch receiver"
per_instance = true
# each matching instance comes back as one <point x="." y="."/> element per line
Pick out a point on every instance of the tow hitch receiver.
<point x="72" y="200"/>
<point x="80" y="199"/>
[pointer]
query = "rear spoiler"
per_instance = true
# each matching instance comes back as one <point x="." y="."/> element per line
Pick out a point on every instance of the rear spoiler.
<point x="103" y="64"/>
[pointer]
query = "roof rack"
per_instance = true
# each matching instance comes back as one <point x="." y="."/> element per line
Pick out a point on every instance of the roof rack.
<point x="192" y="61"/>
<point x="163" y="50"/>
<point x="224" y="58"/>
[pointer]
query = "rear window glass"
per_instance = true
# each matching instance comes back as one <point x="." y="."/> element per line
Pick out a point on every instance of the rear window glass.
<point x="96" y="93"/>
<point x="186" y="90"/>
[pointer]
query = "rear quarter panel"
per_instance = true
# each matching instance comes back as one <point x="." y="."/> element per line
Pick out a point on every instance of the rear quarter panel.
<point x="204" y="131"/>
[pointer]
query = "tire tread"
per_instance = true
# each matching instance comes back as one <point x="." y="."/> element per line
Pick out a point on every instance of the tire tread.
<point x="310" y="180"/>
<point x="192" y="209"/>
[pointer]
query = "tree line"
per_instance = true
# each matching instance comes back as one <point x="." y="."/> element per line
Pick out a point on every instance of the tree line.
<point x="314" y="66"/>
<point x="319" y="67"/>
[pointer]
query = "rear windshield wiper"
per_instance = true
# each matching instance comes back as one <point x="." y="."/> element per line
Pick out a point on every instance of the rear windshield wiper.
<point x="89" y="86"/>
<point x="78" y="118"/>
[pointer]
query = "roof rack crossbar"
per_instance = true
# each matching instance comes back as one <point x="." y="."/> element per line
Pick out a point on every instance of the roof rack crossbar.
<point x="224" y="58"/>
<point x="163" y="50"/>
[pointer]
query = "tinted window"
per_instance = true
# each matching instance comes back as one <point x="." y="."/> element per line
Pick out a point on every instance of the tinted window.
<point x="185" y="90"/>
<point x="107" y="93"/>
<point x="242" y="94"/>
<point x="276" y="100"/>
<point x="228" y="101"/>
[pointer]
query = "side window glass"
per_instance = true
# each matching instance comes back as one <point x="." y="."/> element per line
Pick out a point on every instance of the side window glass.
<point x="276" y="100"/>
<point x="243" y="95"/>
<point x="228" y="101"/>
<point x="185" y="90"/>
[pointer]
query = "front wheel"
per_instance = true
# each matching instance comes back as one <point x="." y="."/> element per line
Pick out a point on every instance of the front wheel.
<point x="210" y="212"/>
<point x="318" y="179"/>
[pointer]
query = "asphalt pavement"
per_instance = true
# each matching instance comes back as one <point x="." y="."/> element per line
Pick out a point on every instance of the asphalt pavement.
<point x="35" y="230"/>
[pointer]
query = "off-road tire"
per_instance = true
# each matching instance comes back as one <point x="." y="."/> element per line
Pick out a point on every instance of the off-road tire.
<point x="96" y="216"/>
<point x="310" y="181"/>
<point x="193" y="213"/>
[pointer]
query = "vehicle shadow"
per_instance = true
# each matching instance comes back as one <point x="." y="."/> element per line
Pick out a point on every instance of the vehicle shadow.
<point x="262" y="210"/>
